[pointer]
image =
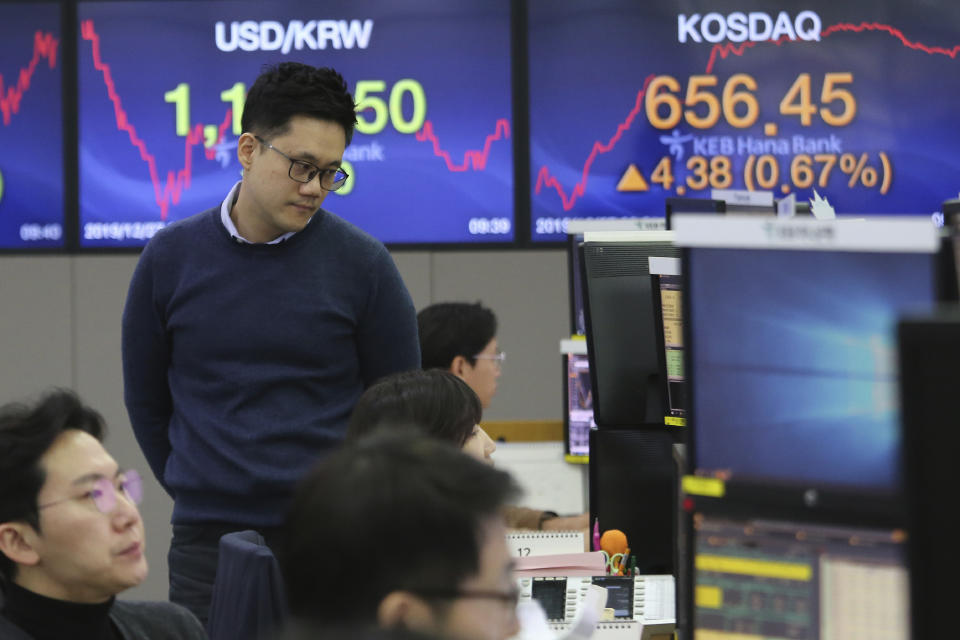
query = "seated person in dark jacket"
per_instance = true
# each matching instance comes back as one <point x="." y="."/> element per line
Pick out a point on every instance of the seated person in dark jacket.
<point x="71" y="537"/>
<point x="403" y="532"/>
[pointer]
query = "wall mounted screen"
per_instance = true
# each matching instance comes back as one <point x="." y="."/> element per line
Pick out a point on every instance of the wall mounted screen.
<point x="31" y="127"/>
<point x="162" y="86"/>
<point x="634" y="102"/>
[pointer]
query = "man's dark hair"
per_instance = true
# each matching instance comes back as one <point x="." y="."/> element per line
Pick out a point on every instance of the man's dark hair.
<point x="26" y="433"/>
<point x="451" y="329"/>
<point x="291" y="89"/>
<point x="439" y="403"/>
<point x="395" y="511"/>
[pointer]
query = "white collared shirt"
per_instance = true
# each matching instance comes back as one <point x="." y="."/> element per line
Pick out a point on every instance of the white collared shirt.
<point x="232" y="228"/>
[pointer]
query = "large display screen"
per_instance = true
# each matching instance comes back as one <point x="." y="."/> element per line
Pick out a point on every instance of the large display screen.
<point x="31" y="127"/>
<point x="793" y="358"/>
<point x="633" y="102"/>
<point x="162" y="85"/>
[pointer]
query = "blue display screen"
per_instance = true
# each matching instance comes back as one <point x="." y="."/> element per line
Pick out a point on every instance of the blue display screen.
<point x="633" y="102"/>
<point x="31" y="127"/>
<point x="161" y="87"/>
<point x="793" y="363"/>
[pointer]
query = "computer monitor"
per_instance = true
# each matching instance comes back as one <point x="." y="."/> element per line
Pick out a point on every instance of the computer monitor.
<point x="691" y="205"/>
<point x="621" y="332"/>
<point x="668" y="306"/>
<point x="929" y="353"/>
<point x="575" y="230"/>
<point x="758" y="578"/>
<point x="633" y="480"/>
<point x="578" y="396"/>
<point x="791" y="361"/>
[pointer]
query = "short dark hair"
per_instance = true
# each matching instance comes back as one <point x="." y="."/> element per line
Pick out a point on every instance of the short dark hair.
<point x="394" y="511"/>
<point x="27" y="431"/>
<point x="439" y="403"/>
<point x="291" y="89"/>
<point x="451" y="329"/>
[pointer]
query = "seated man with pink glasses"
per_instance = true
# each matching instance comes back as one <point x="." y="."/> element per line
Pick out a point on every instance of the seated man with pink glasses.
<point x="71" y="537"/>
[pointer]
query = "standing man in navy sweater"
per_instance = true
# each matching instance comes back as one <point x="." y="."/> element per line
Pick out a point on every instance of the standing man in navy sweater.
<point x="251" y="329"/>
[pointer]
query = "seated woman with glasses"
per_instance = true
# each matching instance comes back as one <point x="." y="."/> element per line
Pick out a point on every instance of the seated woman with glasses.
<point x="445" y="407"/>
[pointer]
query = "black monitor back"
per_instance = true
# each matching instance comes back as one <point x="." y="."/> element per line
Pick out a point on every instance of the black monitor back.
<point x="929" y="353"/>
<point x="951" y="213"/>
<point x="691" y="205"/>
<point x="633" y="488"/>
<point x="621" y="332"/>
<point x="948" y="283"/>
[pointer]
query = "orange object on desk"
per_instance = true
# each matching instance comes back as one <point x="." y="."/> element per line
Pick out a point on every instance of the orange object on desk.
<point x="613" y="541"/>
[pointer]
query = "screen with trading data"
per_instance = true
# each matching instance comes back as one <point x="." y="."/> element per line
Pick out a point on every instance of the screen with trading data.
<point x="31" y="127"/>
<point x="579" y="405"/>
<point x="162" y="86"/>
<point x="668" y="290"/>
<point x="635" y="102"/>
<point x="670" y="306"/>
<point x="779" y="580"/>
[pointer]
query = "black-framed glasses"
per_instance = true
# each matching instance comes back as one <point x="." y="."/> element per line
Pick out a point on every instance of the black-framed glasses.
<point x="510" y="597"/>
<point x="303" y="171"/>
<point x="104" y="493"/>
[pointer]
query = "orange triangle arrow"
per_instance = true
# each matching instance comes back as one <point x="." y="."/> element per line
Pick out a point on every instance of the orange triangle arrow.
<point x="632" y="180"/>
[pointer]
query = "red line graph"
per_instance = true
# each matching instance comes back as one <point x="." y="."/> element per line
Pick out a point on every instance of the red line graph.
<point x="176" y="181"/>
<point x="724" y="50"/>
<point x="896" y="33"/>
<point x="544" y="177"/>
<point x="44" y="46"/>
<point x="471" y="157"/>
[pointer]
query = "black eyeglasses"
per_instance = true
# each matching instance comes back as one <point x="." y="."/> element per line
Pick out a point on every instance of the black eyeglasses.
<point x="303" y="171"/>
<point x="509" y="598"/>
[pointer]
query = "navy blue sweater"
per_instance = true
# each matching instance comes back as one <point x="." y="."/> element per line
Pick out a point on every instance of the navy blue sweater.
<point x="242" y="363"/>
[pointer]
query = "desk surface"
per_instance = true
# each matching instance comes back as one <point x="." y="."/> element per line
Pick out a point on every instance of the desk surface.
<point x="524" y="430"/>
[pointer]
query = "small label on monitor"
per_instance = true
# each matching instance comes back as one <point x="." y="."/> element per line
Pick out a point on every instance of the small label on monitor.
<point x="744" y="197"/>
<point x="699" y="486"/>
<point x="879" y="234"/>
<point x="664" y="266"/>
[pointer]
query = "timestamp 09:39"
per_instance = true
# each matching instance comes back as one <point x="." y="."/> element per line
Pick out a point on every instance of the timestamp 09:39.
<point x="489" y="226"/>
